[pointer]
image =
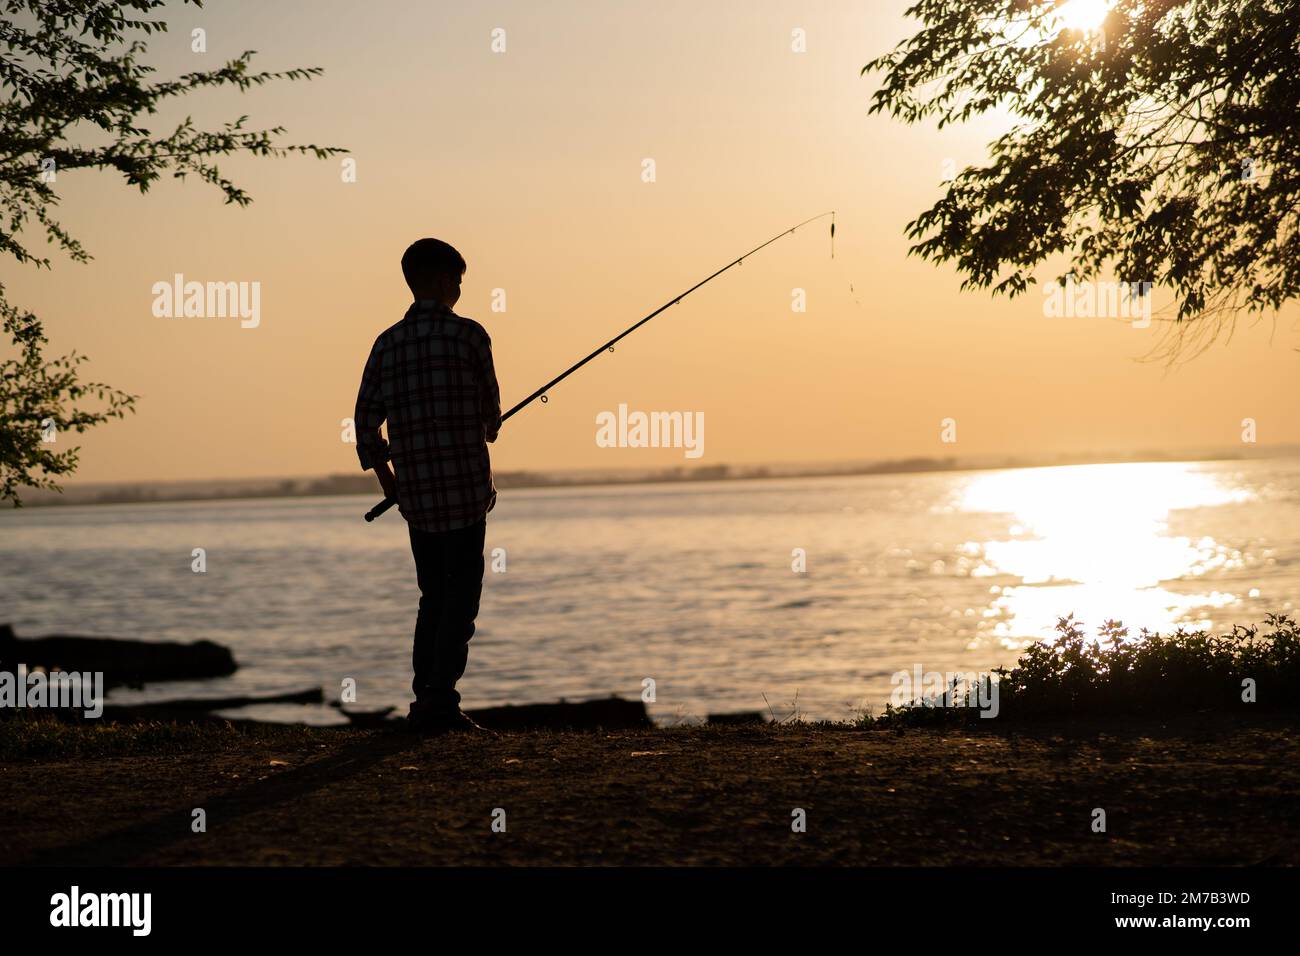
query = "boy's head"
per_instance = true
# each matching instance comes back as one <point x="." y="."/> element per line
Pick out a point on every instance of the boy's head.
<point x="433" y="270"/>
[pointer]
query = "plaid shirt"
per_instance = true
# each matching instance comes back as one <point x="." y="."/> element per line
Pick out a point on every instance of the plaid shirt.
<point x="431" y="377"/>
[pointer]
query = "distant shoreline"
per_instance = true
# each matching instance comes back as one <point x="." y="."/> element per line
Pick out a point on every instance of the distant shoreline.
<point x="364" y="484"/>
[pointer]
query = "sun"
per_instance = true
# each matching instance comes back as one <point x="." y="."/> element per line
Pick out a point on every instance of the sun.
<point x="1085" y="15"/>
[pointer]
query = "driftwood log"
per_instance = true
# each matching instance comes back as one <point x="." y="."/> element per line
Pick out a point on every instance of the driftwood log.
<point x="201" y="708"/>
<point x="610" y="713"/>
<point x="123" y="662"/>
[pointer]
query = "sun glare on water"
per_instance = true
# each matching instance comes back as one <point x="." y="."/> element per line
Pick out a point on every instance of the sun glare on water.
<point x="1094" y="540"/>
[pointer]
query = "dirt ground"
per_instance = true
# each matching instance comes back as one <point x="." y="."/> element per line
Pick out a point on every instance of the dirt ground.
<point x="1196" y="790"/>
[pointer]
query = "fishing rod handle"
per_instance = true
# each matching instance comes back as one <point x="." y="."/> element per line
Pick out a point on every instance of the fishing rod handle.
<point x="380" y="508"/>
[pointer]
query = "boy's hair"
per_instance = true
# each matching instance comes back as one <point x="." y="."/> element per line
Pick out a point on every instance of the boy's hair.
<point x="427" y="258"/>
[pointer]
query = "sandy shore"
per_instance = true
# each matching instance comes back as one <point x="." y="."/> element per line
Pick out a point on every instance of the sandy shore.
<point x="1202" y="789"/>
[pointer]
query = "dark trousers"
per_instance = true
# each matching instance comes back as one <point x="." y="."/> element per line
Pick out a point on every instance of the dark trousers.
<point x="449" y="567"/>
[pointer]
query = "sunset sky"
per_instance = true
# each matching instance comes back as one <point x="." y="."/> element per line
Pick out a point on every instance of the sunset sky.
<point x="530" y="162"/>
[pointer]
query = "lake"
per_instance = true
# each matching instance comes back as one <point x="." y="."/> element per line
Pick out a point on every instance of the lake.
<point x="692" y="585"/>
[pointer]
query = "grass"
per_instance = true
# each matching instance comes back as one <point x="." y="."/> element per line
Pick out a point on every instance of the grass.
<point x="1248" y="667"/>
<point x="30" y="736"/>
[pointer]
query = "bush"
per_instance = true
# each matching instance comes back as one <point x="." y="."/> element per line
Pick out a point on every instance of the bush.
<point x="1115" y="673"/>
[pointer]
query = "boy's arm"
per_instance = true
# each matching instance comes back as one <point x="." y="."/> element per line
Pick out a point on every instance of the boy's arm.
<point x="370" y="413"/>
<point x="489" y="392"/>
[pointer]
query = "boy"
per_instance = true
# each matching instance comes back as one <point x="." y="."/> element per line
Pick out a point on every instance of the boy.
<point x="431" y="377"/>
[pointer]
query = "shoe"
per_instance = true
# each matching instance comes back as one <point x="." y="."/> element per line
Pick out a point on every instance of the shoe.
<point x="460" y="723"/>
<point x="419" y="716"/>
<point x="457" y="722"/>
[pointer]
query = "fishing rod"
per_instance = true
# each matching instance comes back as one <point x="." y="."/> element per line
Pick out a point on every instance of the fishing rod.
<point x="387" y="503"/>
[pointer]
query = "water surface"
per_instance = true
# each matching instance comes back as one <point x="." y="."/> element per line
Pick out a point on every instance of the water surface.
<point x="688" y="584"/>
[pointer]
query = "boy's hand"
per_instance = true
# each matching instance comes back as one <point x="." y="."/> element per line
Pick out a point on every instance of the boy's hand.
<point x="387" y="481"/>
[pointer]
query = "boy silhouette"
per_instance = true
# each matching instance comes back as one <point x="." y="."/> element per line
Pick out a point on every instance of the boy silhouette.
<point x="431" y="378"/>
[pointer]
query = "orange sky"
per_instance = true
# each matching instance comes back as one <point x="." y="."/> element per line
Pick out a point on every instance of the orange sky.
<point x="530" y="162"/>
